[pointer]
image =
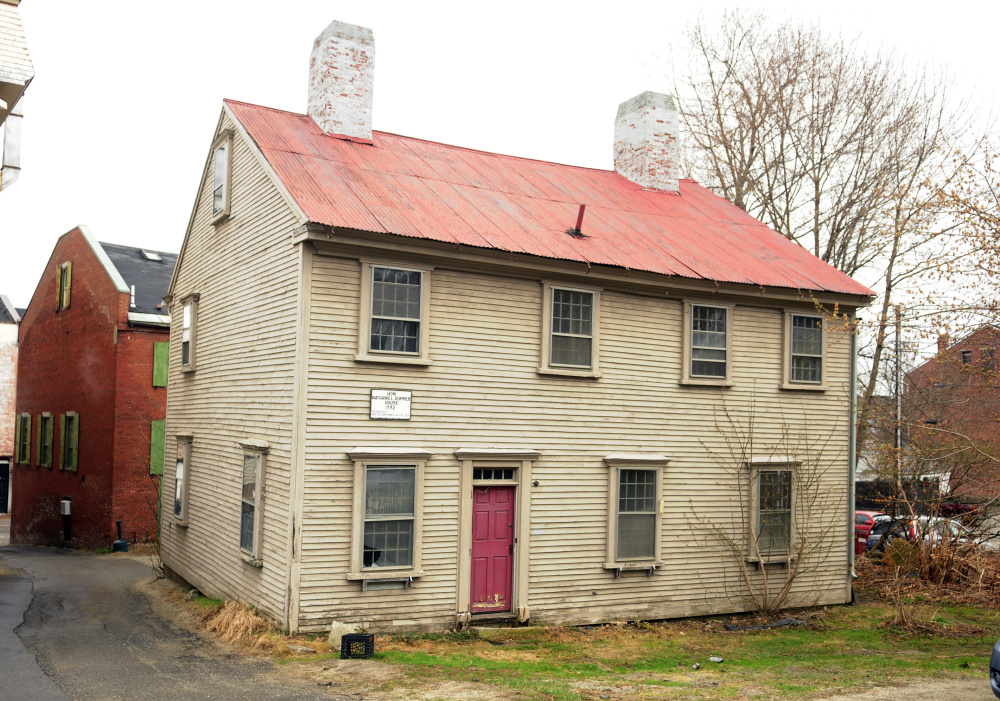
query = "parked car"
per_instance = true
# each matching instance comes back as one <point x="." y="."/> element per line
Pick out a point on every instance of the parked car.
<point x="931" y="529"/>
<point x="864" y="520"/>
<point x="887" y="530"/>
<point x="995" y="670"/>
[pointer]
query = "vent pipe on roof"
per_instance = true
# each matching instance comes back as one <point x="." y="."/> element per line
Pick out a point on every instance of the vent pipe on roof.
<point x="341" y="81"/>
<point x="646" y="147"/>
<point x="131" y="298"/>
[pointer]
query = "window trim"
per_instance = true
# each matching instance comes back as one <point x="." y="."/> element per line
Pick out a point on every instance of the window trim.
<point x="183" y="519"/>
<point x="365" y="354"/>
<point x="259" y="449"/>
<point x="224" y="139"/>
<point x="192" y="301"/>
<point x="615" y="463"/>
<point x="776" y="463"/>
<point x="545" y="367"/>
<point x="786" y="352"/>
<point x="686" y="377"/>
<point x="377" y="457"/>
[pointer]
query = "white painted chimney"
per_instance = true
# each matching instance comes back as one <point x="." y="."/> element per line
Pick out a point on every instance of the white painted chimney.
<point x="341" y="80"/>
<point x="646" y="147"/>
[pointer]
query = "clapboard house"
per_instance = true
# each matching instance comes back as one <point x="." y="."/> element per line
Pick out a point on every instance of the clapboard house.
<point x="91" y="395"/>
<point x="413" y="384"/>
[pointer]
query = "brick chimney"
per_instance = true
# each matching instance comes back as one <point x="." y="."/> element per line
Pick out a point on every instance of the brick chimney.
<point x="943" y="341"/>
<point x="646" y="147"/>
<point x="341" y="81"/>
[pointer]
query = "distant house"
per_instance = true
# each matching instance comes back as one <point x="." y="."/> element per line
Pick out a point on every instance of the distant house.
<point x="16" y="73"/>
<point x="91" y="394"/>
<point x="953" y="403"/>
<point x="414" y="385"/>
<point x="9" y="319"/>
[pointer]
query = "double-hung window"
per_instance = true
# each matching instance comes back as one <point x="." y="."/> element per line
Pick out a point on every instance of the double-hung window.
<point x="570" y="331"/>
<point x="189" y="331"/>
<point x="182" y="479"/>
<point x="773" y="530"/>
<point x="45" y="434"/>
<point x="22" y="440"/>
<point x="390" y="492"/>
<point x="804" y="351"/>
<point x="251" y="501"/>
<point x="634" y="510"/>
<point x="69" y="436"/>
<point x="221" y="177"/>
<point x="707" y="336"/>
<point x="394" y="323"/>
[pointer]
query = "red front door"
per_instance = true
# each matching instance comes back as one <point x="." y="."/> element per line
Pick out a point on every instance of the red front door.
<point x="492" y="548"/>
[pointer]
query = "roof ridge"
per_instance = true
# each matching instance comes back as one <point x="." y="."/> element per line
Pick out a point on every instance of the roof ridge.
<point x="464" y="148"/>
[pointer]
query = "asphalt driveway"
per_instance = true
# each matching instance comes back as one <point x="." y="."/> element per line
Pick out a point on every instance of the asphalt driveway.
<point x="90" y="630"/>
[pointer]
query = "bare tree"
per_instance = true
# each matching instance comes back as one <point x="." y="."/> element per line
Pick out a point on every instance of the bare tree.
<point x="840" y="150"/>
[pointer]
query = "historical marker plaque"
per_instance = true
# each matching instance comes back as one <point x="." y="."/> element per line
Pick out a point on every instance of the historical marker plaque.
<point x="391" y="404"/>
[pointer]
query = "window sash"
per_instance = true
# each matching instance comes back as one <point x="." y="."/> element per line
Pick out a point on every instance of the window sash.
<point x="636" y="523"/>
<point x="806" y="349"/>
<point x="395" y="312"/>
<point x="186" y="335"/>
<point x="249" y="501"/>
<point x="180" y="478"/>
<point x="709" y="341"/>
<point x="389" y="523"/>
<point x="572" y="324"/>
<point x="774" y="512"/>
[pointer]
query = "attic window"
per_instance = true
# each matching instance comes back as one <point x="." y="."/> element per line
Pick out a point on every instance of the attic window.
<point x="149" y="255"/>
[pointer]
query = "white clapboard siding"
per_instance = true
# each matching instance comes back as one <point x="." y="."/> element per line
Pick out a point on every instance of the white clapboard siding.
<point x="482" y="390"/>
<point x="246" y="272"/>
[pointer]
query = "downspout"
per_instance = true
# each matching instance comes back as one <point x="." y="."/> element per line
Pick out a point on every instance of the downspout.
<point x="852" y="453"/>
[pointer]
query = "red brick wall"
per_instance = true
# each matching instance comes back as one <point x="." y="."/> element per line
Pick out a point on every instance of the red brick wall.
<point x="137" y="403"/>
<point x="8" y="385"/>
<point x="68" y="361"/>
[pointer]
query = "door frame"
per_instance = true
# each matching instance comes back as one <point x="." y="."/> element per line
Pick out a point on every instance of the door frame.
<point x="521" y="461"/>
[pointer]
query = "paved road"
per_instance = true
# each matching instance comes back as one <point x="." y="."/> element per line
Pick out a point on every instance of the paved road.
<point x="90" y="631"/>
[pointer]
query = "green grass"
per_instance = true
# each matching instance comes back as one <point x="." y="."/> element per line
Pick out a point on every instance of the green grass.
<point x="844" y="647"/>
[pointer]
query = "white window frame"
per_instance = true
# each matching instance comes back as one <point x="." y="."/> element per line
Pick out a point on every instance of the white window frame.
<point x="184" y="444"/>
<point x="755" y="468"/>
<point x="615" y="463"/>
<point x="364" y="458"/>
<point x="223" y="142"/>
<point x="191" y="330"/>
<point x="687" y="378"/>
<point x="545" y="366"/>
<point x="365" y="354"/>
<point x="258" y="450"/>
<point x="786" y="364"/>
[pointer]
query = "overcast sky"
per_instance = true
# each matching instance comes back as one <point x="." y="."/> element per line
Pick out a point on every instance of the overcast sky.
<point x="127" y="94"/>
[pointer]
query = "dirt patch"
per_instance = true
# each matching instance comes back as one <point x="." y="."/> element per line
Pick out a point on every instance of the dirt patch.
<point x="924" y="690"/>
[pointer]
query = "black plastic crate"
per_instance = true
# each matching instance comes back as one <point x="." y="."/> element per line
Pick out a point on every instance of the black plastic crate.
<point x="357" y="646"/>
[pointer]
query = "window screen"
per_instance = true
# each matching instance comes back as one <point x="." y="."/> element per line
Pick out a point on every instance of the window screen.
<point x="636" y="514"/>
<point x="389" y="504"/>
<point x="572" y="328"/>
<point x="395" y="310"/>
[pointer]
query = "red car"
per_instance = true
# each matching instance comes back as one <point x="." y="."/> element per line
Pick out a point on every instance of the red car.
<point x="864" y="521"/>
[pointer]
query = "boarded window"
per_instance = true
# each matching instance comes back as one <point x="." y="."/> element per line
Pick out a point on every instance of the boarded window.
<point x="389" y="516"/>
<point x="636" y="514"/>
<point x="45" y="431"/>
<point x="157" y="446"/>
<point x="572" y="328"/>
<point x="709" y="341"/>
<point x="161" y="358"/>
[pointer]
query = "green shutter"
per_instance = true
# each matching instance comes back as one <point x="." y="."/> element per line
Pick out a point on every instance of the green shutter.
<point x="157" y="446"/>
<point x="62" y="441"/>
<point x="74" y="442"/>
<point x="161" y="355"/>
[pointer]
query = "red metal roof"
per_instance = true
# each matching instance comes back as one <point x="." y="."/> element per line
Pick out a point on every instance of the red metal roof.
<point x="427" y="190"/>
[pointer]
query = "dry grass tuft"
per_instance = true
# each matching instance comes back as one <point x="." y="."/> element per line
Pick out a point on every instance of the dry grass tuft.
<point x="239" y="624"/>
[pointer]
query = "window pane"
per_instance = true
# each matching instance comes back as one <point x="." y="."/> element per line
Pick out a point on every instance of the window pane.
<point x="807" y="335"/>
<point x="807" y="369"/>
<point x="572" y="312"/>
<point x="389" y="491"/>
<point x="571" y="350"/>
<point x="708" y="319"/>
<point x="179" y="482"/>
<point x="636" y="491"/>
<point x="250" y="477"/>
<point x="395" y="336"/>
<point x="636" y="533"/>
<point x="708" y="339"/>
<point x="774" y="533"/>
<point x="246" y="527"/>
<point x="775" y="506"/>
<point x="388" y="544"/>
<point x="703" y="368"/>
<point x="395" y="293"/>
<point x="187" y="316"/>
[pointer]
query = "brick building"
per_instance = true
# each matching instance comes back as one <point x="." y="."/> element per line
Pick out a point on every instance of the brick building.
<point x="91" y="394"/>
<point x="9" y="318"/>
<point x="953" y="405"/>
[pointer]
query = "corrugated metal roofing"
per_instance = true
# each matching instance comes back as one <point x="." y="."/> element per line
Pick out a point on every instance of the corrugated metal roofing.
<point x="421" y="189"/>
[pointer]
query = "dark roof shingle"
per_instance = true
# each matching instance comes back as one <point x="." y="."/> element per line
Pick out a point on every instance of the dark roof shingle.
<point x="150" y="277"/>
